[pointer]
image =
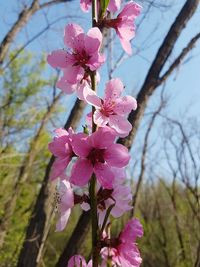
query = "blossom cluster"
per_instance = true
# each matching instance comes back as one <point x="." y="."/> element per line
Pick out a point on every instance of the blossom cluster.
<point x="80" y="156"/>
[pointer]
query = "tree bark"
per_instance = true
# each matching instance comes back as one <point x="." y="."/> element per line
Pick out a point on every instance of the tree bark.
<point x="43" y="211"/>
<point x="148" y="88"/>
<point x="24" y="173"/>
<point x="22" y="20"/>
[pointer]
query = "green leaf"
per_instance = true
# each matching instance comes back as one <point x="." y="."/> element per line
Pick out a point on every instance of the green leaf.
<point x="104" y="5"/>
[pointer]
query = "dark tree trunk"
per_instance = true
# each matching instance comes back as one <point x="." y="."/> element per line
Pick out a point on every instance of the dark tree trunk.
<point x="42" y="214"/>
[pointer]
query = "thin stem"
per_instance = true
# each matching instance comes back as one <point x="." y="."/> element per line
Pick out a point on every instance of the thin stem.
<point x="95" y="250"/>
<point x="92" y="189"/>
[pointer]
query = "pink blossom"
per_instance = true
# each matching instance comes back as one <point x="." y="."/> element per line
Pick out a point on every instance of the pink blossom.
<point x="124" y="24"/>
<point x="112" y="109"/>
<point x="78" y="261"/>
<point x="97" y="153"/>
<point x="121" y="196"/>
<point x="65" y="203"/>
<point x="82" y="57"/>
<point x="62" y="150"/>
<point x="125" y="253"/>
<point x="113" y="5"/>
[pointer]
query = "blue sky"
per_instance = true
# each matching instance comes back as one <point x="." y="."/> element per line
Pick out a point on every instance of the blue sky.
<point x="183" y="87"/>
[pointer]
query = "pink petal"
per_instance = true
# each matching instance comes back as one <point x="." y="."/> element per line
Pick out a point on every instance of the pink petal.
<point x="62" y="221"/>
<point x="57" y="59"/>
<point x="65" y="86"/>
<point x="77" y="261"/>
<point x="91" y="97"/>
<point x="124" y="105"/>
<point x="61" y="132"/>
<point x="72" y="74"/>
<point x="120" y="124"/>
<point x="102" y="138"/>
<point x="95" y="61"/>
<point x="113" y="89"/>
<point x="80" y="145"/>
<point x="67" y="196"/>
<point x="79" y="43"/>
<point x="85" y="5"/>
<point x="59" y="167"/>
<point x="60" y="147"/>
<point x="117" y="156"/>
<point x="114" y="5"/>
<point x="126" y="31"/>
<point x="126" y="46"/>
<point x="93" y="40"/>
<point x="70" y="34"/>
<point x="99" y="119"/>
<point x="104" y="175"/>
<point x="81" y="172"/>
<point x="130" y="10"/>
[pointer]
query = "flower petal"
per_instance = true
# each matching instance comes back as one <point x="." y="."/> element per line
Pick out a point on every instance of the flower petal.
<point x="102" y="138"/>
<point x="93" y="40"/>
<point x="117" y="156"/>
<point x="59" y="167"/>
<point x="81" y="172"/>
<point x="91" y="97"/>
<point x="62" y="221"/>
<point x="72" y="74"/>
<point x="57" y="59"/>
<point x="80" y="145"/>
<point x="120" y="124"/>
<point x="77" y="261"/>
<point x="104" y="175"/>
<point x="124" y="105"/>
<point x="70" y="34"/>
<point x="113" y="89"/>
<point x="99" y="119"/>
<point x="85" y="5"/>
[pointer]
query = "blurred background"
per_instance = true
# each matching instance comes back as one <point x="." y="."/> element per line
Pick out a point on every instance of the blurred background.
<point x="164" y="173"/>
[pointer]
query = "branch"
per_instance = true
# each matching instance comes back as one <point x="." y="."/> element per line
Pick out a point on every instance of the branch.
<point x="152" y="79"/>
<point x="22" y="20"/>
<point x="180" y="58"/>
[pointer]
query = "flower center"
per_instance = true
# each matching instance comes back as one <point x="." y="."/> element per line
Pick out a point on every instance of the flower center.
<point x="96" y="155"/>
<point x="107" y="108"/>
<point x="82" y="58"/>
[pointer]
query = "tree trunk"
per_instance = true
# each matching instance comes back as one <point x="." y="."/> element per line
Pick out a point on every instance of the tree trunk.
<point x="42" y="214"/>
<point x="23" y="175"/>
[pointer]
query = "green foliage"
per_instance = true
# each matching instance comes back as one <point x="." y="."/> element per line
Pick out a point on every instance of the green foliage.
<point x="104" y="5"/>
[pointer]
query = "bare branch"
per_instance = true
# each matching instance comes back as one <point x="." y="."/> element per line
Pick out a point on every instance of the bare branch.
<point x="22" y="20"/>
<point x="152" y="79"/>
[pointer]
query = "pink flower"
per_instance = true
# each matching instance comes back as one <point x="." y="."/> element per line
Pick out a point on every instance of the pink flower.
<point x="78" y="261"/>
<point x="112" y="109"/>
<point x="125" y="253"/>
<point x="124" y="24"/>
<point x="82" y="57"/>
<point x="121" y="196"/>
<point x="62" y="150"/>
<point x="65" y="203"/>
<point x="98" y="154"/>
<point x="113" y="5"/>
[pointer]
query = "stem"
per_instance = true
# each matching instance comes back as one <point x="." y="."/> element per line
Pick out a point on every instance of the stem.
<point x="92" y="189"/>
<point x="95" y="250"/>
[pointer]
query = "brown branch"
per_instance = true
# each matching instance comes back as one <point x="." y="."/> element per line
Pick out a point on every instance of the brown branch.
<point x="24" y="173"/>
<point x="180" y="58"/>
<point x="43" y="211"/>
<point x="144" y="152"/>
<point x="22" y="20"/>
<point x="152" y="79"/>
